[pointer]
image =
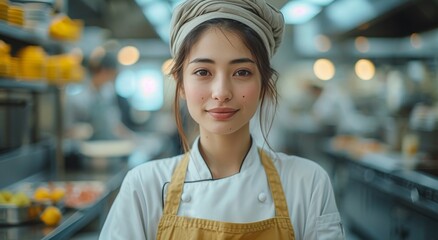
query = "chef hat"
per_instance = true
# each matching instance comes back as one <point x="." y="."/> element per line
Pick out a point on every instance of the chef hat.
<point x="263" y="18"/>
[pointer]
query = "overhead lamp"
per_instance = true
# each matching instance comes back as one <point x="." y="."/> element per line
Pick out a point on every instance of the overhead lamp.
<point x="365" y="69"/>
<point x="324" y="69"/>
<point x="320" y="2"/>
<point x="128" y="55"/>
<point x="150" y="92"/>
<point x="157" y="13"/>
<point x="298" y="12"/>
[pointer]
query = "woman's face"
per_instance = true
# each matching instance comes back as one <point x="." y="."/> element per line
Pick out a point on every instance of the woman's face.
<point x="221" y="83"/>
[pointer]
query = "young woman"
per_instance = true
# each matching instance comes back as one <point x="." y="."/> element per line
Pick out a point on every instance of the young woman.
<point x="225" y="187"/>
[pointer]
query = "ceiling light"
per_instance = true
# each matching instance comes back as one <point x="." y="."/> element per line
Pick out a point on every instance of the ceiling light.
<point x="157" y="13"/>
<point x="365" y="69"/>
<point x="299" y="12"/>
<point x="128" y="55"/>
<point x="324" y="69"/>
<point x="320" y="2"/>
<point x="150" y="93"/>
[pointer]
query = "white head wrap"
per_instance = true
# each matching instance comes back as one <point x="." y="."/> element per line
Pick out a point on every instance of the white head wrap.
<point x="263" y="18"/>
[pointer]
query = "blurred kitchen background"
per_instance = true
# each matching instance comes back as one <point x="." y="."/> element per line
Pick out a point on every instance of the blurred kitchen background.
<point x="358" y="94"/>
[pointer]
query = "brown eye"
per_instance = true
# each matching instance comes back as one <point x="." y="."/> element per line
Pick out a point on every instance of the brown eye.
<point x="242" y="73"/>
<point x="202" y="73"/>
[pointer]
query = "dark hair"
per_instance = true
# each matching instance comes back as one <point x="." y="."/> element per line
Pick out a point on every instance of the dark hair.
<point x="107" y="60"/>
<point x="252" y="41"/>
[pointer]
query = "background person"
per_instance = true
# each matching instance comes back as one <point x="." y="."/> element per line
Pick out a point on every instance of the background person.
<point x="93" y="103"/>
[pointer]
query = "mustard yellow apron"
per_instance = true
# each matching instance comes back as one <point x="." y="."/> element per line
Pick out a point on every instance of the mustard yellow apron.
<point x="172" y="226"/>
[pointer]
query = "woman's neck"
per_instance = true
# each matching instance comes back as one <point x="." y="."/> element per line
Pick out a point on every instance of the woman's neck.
<point x="224" y="154"/>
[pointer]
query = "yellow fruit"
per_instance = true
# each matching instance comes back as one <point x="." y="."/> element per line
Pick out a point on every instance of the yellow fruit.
<point x="41" y="194"/>
<point x="20" y="199"/>
<point x="57" y="194"/>
<point x="3" y="199"/>
<point x="51" y="216"/>
<point x="7" y="195"/>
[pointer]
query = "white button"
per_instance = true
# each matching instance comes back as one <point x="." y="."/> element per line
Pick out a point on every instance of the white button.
<point x="186" y="197"/>
<point x="262" y="197"/>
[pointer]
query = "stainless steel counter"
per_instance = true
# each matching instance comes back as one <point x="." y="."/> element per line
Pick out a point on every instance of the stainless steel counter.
<point x="382" y="172"/>
<point x="73" y="220"/>
<point x="382" y="199"/>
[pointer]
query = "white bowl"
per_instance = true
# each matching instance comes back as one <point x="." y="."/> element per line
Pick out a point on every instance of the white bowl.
<point x="106" y="148"/>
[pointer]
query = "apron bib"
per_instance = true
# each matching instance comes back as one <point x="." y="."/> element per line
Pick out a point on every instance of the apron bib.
<point x="172" y="226"/>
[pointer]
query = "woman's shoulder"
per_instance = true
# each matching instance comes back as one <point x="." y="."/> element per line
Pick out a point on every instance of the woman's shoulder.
<point x="295" y="165"/>
<point x="158" y="170"/>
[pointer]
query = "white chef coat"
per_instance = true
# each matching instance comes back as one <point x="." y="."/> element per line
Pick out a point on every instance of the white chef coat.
<point x="243" y="197"/>
<point x="98" y="107"/>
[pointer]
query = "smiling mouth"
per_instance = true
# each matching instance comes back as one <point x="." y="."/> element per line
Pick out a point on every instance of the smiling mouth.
<point x="222" y="114"/>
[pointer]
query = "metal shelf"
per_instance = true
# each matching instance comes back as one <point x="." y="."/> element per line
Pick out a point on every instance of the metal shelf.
<point x="29" y="159"/>
<point x="18" y="37"/>
<point x="25" y="36"/>
<point x="13" y="84"/>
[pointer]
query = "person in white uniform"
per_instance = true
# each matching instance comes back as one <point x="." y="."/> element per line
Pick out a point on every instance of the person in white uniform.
<point x="225" y="186"/>
<point x="94" y="102"/>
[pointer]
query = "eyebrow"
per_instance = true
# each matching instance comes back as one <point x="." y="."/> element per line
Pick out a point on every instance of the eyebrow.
<point x="235" y="61"/>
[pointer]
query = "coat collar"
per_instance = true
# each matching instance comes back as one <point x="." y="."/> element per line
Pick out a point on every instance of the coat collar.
<point x="198" y="169"/>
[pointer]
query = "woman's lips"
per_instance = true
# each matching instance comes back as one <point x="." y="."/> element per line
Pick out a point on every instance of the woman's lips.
<point x="222" y="113"/>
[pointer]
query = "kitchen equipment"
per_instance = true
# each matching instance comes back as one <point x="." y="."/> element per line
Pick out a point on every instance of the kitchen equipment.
<point x="11" y="214"/>
<point x="395" y="128"/>
<point x="424" y="122"/>
<point x="106" y="148"/>
<point x="104" y="154"/>
<point x="24" y="203"/>
<point x="14" y="123"/>
<point x="428" y="143"/>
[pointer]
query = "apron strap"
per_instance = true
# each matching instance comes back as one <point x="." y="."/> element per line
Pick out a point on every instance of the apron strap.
<point x="176" y="187"/>
<point x="275" y="185"/>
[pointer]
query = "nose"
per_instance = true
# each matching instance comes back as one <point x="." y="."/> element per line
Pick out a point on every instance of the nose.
<point x="221" y="89"/>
